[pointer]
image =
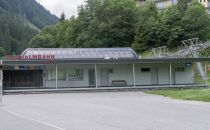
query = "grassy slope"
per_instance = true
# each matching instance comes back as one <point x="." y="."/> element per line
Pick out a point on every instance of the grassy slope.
<point x="146" y="54"/>
<point x="198" y="94"/>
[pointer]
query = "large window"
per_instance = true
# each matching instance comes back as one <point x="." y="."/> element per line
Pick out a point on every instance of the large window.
<point x="51" y="74"/>
<point x="75" y="74"/>
<point x="65" y="74"/>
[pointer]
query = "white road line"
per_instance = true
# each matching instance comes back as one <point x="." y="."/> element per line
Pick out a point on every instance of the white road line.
<point x="40" y="122"/>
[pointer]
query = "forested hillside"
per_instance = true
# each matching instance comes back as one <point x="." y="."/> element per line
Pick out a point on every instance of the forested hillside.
<point x="20" y="20"/>
<point x="30" y="10"/>
<point x="14" y="33"/>
<point x="114" y="23"/>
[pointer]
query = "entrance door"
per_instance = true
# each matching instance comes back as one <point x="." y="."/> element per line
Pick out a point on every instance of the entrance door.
<point x="91" y="75"/>
<point x="154" y="75"/>
<point x="104" y="77"/>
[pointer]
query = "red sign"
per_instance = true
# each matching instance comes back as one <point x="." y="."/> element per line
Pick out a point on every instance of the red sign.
<point x="30" y="57"/>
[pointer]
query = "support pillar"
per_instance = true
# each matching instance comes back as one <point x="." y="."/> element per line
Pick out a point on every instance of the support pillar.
<point x="56" y="76"/>
<point x="96" y="79"/>
<point x="170" y="74"/>
<point x="134" y="76"/>
<point x="206" y="74"/>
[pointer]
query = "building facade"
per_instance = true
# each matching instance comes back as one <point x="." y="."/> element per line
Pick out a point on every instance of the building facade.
<point x="59" y="68"/>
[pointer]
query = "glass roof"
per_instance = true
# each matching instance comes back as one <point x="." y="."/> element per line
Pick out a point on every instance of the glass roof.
<point x="83" y="53"/>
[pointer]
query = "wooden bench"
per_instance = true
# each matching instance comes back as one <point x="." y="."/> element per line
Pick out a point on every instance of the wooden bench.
<point x="119" y="83"/>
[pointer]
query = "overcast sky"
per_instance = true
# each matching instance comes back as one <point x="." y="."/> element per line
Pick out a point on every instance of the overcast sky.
<point x="69" y="7"/>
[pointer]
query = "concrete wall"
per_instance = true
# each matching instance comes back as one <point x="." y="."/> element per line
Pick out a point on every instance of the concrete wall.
<point x="125" y="72"/>
<point x="186" y="77"/>
<point x="163" y="74"/>
<point x="143" y="78"/>
<point x="120" y="72"/>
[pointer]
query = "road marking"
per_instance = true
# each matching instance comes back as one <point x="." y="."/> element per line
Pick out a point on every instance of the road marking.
<point x="40" y="122"/>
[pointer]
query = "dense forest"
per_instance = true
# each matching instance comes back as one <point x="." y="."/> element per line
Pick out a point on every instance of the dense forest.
<point x="114" y="23"/>
<point x="20" y="20"/>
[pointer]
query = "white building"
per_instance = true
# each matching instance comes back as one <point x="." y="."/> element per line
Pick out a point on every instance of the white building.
<point x="69" y="68"/>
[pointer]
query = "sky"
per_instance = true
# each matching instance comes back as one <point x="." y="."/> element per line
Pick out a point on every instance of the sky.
<point x="69" y="7"/>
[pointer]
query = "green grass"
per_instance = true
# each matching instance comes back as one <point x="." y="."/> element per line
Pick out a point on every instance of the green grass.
<point x="196" y="94"/>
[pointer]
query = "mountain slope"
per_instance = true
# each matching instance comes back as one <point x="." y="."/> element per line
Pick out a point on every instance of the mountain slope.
<point x="15" y="33"/>
<point x="30" y="10"/>
<point x="20" y="20"/>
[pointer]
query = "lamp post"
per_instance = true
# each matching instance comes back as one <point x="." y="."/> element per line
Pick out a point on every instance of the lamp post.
<point x="1" y="83"/>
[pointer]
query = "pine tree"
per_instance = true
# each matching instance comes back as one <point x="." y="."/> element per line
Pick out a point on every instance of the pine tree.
<point x="63" y="17"/>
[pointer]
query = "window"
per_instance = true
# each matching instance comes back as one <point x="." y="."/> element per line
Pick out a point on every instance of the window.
<point x="72" y="75"/>
<point x="61" y="74"/>
<point x="51" y="74"/>
<point x="75" y="74"/>
<point x="180" y="69"/>
<point x="145" y="69"/>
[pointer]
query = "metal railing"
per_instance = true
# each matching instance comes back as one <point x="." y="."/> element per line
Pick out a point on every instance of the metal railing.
<point x="190" y="47"/>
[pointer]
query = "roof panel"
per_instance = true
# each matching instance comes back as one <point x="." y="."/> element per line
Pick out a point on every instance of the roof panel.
<point x="83" y="53"/>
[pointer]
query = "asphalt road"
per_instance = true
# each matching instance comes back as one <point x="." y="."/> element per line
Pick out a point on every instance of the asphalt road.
<point x="102" y="111"/>
<point x="9" y="121"/>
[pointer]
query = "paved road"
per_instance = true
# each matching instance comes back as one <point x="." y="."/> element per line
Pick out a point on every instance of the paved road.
<point x="108" y="111"/>
<point x="9" y="121"/>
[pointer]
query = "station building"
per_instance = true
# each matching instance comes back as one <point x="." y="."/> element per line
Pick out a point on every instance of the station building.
<point x="94" y="68"/>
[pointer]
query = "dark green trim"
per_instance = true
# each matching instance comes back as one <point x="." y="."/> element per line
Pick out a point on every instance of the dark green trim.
<point x="103" y="61"/>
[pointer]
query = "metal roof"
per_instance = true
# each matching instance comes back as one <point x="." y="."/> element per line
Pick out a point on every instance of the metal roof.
<point x="83" y="53"/>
